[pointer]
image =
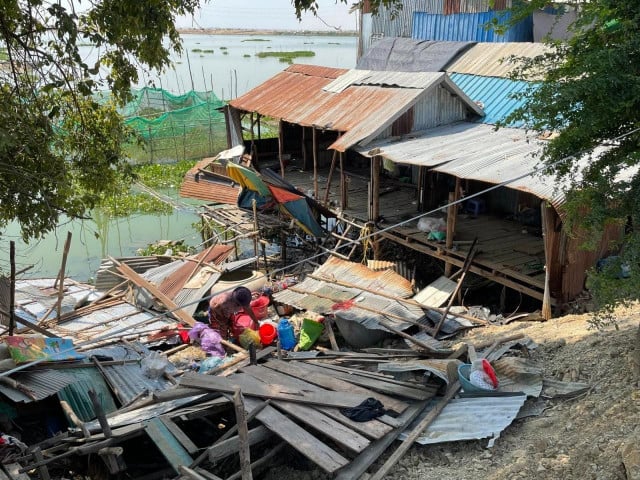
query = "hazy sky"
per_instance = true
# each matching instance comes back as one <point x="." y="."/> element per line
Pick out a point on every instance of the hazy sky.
<point x="269" y="14"/>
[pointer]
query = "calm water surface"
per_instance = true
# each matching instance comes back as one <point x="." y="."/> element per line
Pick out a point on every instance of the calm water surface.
<point x="228" y="75"/>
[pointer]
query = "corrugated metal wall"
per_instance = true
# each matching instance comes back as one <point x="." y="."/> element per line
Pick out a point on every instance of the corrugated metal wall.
<point x="496" y="95"/>
<point x="438" y="109"/>
<point x="468" y="27"/>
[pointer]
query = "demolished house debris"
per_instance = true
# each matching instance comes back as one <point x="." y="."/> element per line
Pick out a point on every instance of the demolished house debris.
<point x="338" y="406"/>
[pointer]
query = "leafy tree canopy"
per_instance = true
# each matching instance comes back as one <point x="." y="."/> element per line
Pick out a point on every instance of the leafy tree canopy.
<point x="589" y="98"/>
<point x="60" y="151"/>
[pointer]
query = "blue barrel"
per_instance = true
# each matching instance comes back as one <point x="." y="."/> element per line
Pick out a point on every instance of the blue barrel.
<point x="286" y="334"/>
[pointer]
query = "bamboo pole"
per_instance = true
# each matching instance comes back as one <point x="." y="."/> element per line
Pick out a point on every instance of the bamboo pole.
<point x="12" y="287"/>
<point x="315" y="162"/>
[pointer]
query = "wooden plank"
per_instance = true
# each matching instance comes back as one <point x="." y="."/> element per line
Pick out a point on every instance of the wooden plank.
<point x="170" y="448"/>
<point x="243" y="429"/>
<point x="230" y="446"/>
<point x="317" y="420"/>
<point x="317" y="376"/>
<point x="252" y="388"/>
<point x="13" y="470"/>
<point x="436" y="293"/>
<point x="305" y="443"/>
<point x="372" y="429"/>
<point x="184" y="440"/>
<point x="362" y="462"/>
<point x="370" y="384"/>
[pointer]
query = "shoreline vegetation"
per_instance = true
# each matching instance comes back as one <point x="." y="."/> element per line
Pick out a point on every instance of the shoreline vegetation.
<point x="248" y="31"/>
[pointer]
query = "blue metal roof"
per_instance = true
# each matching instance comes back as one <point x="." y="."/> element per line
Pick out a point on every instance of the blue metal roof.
<point x="469" y="27"/>
<point x="496" y="95"/>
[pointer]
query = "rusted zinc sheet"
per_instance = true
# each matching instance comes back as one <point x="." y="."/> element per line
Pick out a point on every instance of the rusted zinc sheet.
<point x="108" y="276"/>
<point x="210" y="187"/>
<point x="353" y="289"/>
<point x="362" y="106"/>
<point x="493" y="59"/>
<point x="470" y="418"/>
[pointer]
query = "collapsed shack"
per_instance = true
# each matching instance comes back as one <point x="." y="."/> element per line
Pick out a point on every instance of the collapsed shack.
<point x="258" y="407"/>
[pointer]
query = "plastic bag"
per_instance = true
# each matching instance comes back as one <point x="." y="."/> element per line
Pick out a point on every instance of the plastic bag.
<point x="208" y="339"/>
<point x="154" y="365"/>
<point x="309" y="333"/>
<point x="431" y="224"/>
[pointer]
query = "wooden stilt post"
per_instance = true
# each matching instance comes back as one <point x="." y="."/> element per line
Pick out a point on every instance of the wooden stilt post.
<point x="331" y="169"/>
<point x="375" y="188"/>
<point x="546" y="298"/>
<point x="343" y="184"/>
<point x="315" y="163"/>
<point x="281" y="147"/>
<point x="452" y="213"/>
<point x="304" y="149"/>
<point x="65" y="252"/>
<point x="243" y="435"/>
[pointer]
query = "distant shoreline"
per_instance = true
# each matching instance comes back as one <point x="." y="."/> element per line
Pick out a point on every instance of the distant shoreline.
<point x="248" y="31"/>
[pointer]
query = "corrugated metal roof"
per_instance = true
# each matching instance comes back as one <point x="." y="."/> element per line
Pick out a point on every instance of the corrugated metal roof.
<point x="410" y="55"/>
<point x="210" y="189"/>
<point x="469" y="27"/>
<point x="77" y="396"/>
<point x="469" y="419"/>
<point x="519" y="375"/>
<point x="129" y="378"/>
<point x="383" y="79"/>
<point x="41" y="383"/>
<point x="492" y="59"/>
<point x="322" y="295"/>
<point x="362" y="111"/>
<point x="476" y="152"/>
<point x="108" y="277"/>
<point x="494" y="94"/>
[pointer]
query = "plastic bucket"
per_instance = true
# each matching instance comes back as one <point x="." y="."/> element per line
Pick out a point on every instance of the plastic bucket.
<point x="241" y="322"/>
<point x="268" y="333"/>
<point x="260" y="306"/>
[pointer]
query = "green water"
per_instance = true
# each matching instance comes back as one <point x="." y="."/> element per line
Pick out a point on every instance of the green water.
<point x="93" y="240"/>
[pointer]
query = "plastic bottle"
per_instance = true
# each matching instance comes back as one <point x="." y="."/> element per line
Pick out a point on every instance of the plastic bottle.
<point x="286" y="334"/>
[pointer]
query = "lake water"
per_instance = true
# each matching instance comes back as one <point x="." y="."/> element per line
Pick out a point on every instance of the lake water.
<point x="237" y="71"/>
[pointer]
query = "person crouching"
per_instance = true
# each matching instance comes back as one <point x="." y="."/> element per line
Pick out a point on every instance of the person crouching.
<point x="224" y="306"/>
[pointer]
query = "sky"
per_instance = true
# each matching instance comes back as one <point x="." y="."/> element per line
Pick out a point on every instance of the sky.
<point x="269" y="14"/>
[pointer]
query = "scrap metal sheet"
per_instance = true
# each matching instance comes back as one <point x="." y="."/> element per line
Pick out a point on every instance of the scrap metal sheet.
<point x="469" y="419"/>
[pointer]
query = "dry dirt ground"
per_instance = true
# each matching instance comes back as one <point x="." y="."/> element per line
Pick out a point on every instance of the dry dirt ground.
<point x="586" y="437"/>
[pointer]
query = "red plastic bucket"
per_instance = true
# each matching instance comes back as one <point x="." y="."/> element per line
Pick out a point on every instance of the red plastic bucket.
<point x="260" y="306"/>
<point x="241" y="322"/>
<point x="268" y="333"/>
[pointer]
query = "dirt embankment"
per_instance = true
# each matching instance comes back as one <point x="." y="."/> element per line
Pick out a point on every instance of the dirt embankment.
<point x="584" y="438"/>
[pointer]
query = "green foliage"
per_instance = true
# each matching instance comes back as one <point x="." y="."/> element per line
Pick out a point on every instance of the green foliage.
<point x="196" y="50"/>
<point x="163" y="247"/>
<point x="60" y="151"/>
<point x="164" y="176"/>
<point x="256" y="40"/>
<point x="286" y="57"/>
<point x="589" y="97"/>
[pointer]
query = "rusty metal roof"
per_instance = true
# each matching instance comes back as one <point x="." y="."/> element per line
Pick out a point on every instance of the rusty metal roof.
<point x="361" y="104"/>
<point x="201" y="186"/>
<point x="493" y="59"/>
<point x="339" y="281"/>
